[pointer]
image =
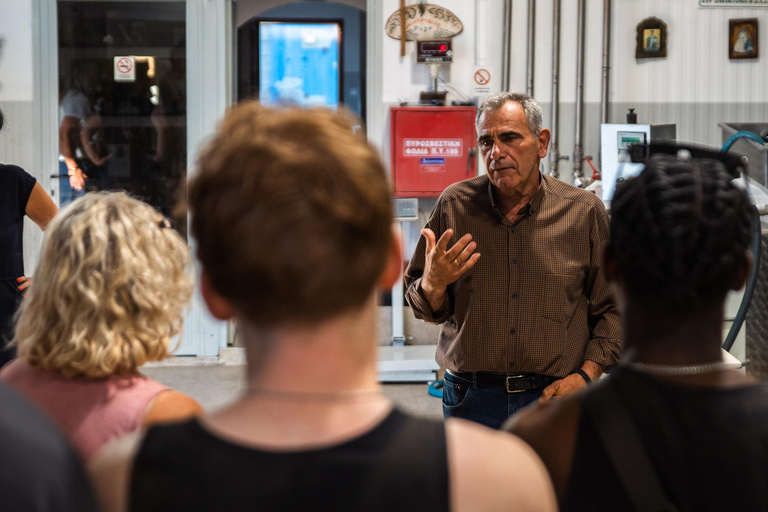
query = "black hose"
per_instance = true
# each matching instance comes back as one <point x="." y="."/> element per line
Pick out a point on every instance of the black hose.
<point x="757" y="238"/>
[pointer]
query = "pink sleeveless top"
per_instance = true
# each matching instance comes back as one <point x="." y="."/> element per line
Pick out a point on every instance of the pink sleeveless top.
<point x="90" y="412"/>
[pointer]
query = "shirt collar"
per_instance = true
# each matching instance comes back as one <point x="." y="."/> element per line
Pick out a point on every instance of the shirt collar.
<point x="532" y="205"/>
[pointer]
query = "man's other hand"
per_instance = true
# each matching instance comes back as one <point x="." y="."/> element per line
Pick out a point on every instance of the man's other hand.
<point x="565" y="386"/>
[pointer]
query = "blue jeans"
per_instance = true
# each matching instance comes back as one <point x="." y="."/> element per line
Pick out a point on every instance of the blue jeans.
<point x="488" y="406"/>
<point x="66" y="193"/>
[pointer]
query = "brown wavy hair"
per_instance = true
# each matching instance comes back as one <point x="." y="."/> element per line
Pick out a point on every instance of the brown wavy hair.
<point x="109" y="289"/>
<point x="292" y="214"/>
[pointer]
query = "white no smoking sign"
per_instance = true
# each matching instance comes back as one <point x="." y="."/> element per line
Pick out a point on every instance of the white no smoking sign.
<point x="482" y="79"/>
<point x="125" y="69"/>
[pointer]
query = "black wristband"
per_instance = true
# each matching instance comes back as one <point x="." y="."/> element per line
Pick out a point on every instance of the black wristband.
<point x="583" y="375"/>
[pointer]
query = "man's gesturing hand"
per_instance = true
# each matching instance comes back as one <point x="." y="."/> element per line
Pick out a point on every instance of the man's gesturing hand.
<point x="442" y="267"/>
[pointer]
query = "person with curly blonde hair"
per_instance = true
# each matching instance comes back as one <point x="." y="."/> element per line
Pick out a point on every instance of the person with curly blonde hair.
<point x="110" y="288"/>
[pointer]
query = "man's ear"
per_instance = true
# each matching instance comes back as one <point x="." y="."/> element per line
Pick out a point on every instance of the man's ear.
<point x="610" y="264"/>
<point x="394" y="267"/>
<point x="217" y="305"/>
<point x="544" y="137"/>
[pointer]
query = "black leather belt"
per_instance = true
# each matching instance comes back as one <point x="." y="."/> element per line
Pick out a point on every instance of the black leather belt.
<point x="512" y="383"/>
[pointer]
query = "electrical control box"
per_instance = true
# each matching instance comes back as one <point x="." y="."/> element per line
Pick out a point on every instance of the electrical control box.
<point x="614" y="141"/>
<point x="433" y="50"/>
<point x="432" y="147"/>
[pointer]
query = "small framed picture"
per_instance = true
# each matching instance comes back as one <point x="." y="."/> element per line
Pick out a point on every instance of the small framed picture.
<point x="742" y="38"/>
<point x="651" y="39"/>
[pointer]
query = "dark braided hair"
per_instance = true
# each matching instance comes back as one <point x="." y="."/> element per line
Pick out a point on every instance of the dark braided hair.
<point x="679" y="232"/>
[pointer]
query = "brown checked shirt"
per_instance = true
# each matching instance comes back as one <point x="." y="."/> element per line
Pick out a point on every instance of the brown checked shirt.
<point x="537" y="300"/>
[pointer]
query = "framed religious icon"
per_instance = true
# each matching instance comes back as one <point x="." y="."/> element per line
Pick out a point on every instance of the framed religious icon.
<point x="651" y="39"/>
<point x="742" y="38"/>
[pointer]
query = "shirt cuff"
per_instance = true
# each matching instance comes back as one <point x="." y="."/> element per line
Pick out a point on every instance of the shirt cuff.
<point x="603" y="351"/>
<point x="421" y="307"/>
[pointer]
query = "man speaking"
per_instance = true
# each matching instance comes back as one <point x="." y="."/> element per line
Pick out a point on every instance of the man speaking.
<point x="509" y="264"/>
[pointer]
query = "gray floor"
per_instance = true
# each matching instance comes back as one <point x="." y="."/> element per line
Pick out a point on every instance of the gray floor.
<point x="216" y="385"/>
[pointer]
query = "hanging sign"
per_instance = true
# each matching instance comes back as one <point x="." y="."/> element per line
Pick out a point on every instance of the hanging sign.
<point x="424" y="21"/>
<point x="125" y="69"/>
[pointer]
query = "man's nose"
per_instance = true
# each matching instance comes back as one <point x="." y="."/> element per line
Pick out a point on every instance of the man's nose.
<point x="496" y="152"/>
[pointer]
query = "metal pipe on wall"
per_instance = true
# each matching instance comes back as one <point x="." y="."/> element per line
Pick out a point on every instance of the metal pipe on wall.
<point x="554" y="154"/>
<point x="578" y="150"/>
<point x="606" y="68"/>
<point x="606" y="60"/>
<point x="531" y="44"/>
<point x="507" y="46"/>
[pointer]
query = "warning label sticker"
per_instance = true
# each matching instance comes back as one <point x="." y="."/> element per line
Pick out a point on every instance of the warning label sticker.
<point x="433" y="147"/>
<point x="432" y="164"/>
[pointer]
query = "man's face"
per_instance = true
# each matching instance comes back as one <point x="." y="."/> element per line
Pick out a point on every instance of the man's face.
<point x="510" y="151"/>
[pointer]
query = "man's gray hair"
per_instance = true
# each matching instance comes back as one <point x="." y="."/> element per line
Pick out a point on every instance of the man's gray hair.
<point x="530" y="106"/>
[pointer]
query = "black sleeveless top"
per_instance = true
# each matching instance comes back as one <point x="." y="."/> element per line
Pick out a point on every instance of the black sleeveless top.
<point x="15" y="188"/>
<point x="400" y="465"/>
<point x="708" y="446"/>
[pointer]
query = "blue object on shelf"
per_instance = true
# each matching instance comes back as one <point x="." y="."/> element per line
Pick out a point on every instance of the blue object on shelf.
<point x="436" y="388"/>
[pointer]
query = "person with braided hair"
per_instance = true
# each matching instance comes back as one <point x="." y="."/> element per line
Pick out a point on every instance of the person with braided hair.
<point x="679" y="241"/>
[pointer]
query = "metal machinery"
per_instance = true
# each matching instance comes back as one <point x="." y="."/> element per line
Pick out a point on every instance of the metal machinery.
<point x="748" y="139"/>
<point x="615" y="139"/>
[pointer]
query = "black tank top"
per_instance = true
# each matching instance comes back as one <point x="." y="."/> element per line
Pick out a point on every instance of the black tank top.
<point x="400" y="465"/>
<point x="708" y="446"/>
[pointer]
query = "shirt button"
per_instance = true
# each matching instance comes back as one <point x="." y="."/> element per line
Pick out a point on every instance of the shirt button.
<point x="513" y="230"/>
<point x="514" y="261"/>
<point x="514" y="295"/>
<point x="511" y="331"/>
<point x="511" y="365"/>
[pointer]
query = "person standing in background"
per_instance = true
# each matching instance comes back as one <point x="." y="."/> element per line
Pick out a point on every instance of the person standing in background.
<point x="80" y="127"/>
<point x="20" y="195"/>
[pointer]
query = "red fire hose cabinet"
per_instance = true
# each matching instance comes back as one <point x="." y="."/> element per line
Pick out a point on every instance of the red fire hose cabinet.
<point x="432" y="147"/>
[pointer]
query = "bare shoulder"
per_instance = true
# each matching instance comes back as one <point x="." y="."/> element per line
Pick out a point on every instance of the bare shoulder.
<point x="551" y="429"/>
<point x="490" y="470"/>
<point x="170" y="406"/>
<point x="111" y="469"/>
<point x="540" y="420"/>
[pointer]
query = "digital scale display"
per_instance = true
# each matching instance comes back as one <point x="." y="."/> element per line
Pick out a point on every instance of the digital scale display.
<point x="434" y="50"/>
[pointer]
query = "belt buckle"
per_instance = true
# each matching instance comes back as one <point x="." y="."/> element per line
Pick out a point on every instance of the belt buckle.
<point x="516" y="376"/>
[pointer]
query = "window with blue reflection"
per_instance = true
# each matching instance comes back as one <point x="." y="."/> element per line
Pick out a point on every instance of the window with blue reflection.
<point x="299" y="63"/>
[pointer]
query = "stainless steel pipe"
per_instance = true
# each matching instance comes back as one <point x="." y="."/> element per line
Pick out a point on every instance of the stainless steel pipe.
<point x="507" y="46"/>
<point x="578" y="150"/>
<point x="531" y="44"/>
<point x="554" y="153"/>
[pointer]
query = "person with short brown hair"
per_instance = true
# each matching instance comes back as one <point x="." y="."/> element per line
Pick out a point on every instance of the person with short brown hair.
<point x="292" y="214"/>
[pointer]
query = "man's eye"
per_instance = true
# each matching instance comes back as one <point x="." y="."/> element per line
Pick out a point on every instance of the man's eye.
<point x="485" y="143"/>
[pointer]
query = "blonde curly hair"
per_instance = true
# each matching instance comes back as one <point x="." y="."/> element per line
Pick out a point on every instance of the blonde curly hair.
<point x="109" y="291"/>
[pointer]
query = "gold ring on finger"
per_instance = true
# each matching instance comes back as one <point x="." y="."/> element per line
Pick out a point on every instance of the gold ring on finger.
<point x="456" y="262"/>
